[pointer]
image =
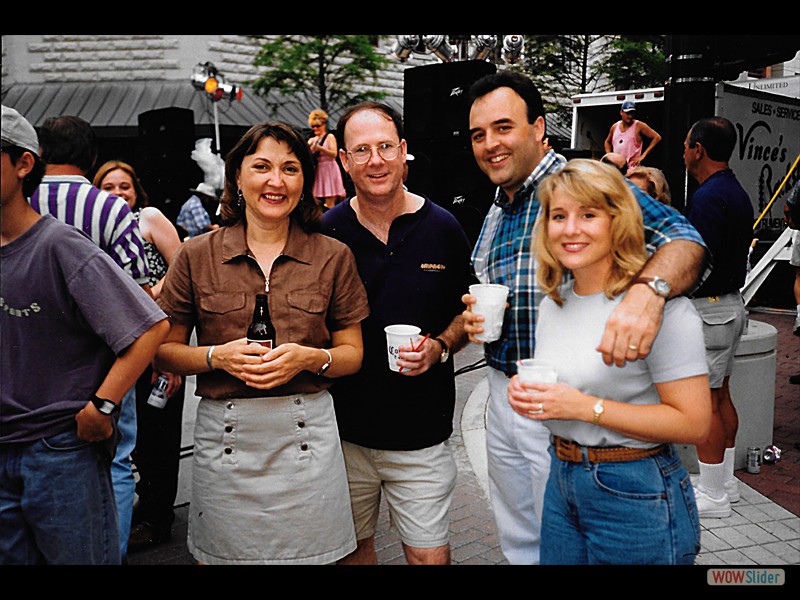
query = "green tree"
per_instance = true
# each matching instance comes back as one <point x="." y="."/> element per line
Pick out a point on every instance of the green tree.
<point x="320" y="72"/>
<point x="635" y="61"/>
<point x="563" y="66"/>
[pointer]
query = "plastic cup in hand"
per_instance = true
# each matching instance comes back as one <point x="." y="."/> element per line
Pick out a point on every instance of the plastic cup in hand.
<point x="491" y="305"/>
<point x="399" y="335"/>
<point x="534" y="370"/>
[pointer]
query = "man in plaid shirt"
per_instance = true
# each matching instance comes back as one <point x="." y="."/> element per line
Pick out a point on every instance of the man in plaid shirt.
<point x="508" y="135"/>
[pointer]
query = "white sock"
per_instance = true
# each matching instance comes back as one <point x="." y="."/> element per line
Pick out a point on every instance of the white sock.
<point x="728" y="462"/>
<point x="712" y="479"/>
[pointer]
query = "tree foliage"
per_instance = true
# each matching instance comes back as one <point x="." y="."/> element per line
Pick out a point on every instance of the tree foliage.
<point x="563" y="66"/>
<point x="322" y="71"/>
<point x="635" y="61"/>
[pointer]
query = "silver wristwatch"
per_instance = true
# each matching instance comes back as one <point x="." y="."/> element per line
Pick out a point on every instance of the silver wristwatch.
<point x="658" y="285"/>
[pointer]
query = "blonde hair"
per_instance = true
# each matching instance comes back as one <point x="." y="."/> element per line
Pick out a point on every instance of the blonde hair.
<point x="602" y="186"/>
<point x="318" y="116"/>
<point x="655" y="183"/>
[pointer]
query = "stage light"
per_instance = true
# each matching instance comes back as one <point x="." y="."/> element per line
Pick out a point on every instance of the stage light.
<point x="403" y="47"/>
<point x="512" y="48"/>
<point x="211" y="85"/>
<point x="439" y="46"/>
<point x="206" y="77"/>
<point x="484" y="44"/>
<point x="230" y="91"/>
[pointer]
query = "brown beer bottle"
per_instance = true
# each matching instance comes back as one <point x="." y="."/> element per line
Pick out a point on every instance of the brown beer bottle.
<point x="261" y="330"/>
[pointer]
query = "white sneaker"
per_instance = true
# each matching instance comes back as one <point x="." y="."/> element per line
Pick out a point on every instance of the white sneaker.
<point x="708" y="507"/>
<point x="731" y="487"/>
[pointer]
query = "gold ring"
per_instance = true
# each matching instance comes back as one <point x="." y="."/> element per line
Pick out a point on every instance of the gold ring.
<point x="632" y="347"/>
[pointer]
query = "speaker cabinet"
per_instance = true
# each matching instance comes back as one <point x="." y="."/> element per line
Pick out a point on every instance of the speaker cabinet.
<point x="436" y="121"/>
<point x="167" y="171"/>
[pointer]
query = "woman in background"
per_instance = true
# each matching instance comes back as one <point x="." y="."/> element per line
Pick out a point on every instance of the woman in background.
<point x="652" y="182"/>
<point x="328" y="186"/>
<point x="158" y="438"/>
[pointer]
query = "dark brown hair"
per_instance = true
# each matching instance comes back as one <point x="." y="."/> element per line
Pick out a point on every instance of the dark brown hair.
<point x="308" y="212"/>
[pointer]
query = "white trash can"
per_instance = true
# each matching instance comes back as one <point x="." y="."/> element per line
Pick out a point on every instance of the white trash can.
<point x="752" y="388"/>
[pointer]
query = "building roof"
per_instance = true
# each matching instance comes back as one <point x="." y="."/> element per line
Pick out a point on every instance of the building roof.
<point x="119" y="104"/>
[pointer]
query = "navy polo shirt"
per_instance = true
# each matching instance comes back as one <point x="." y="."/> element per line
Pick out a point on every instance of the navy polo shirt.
<point x="417" y="278"/>
<point x="722" y="213"/>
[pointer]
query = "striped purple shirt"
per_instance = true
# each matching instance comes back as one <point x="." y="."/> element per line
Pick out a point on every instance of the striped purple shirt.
<point x="106" y="219"/>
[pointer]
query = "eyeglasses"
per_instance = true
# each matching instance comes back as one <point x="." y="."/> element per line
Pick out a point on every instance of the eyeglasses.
<point x="314" y="126"/>
<point x="362" y="154"/>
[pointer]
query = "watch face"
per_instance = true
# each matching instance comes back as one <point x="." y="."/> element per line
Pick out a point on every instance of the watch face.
<point x="662" y="287"/>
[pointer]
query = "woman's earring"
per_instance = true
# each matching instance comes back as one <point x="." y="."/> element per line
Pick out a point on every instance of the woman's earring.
<point x="240" y="200"/>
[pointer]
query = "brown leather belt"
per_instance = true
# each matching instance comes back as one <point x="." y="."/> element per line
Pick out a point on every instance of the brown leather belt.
<point x="572" y="452"/>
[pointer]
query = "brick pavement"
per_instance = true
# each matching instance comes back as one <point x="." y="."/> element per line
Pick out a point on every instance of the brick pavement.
<point x="761" y="527"/>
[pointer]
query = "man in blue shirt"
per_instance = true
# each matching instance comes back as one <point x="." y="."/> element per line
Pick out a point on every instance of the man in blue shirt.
<point x="413" y="258"/>
<point x="721" y="211"/>
<point x="507" y="129"/>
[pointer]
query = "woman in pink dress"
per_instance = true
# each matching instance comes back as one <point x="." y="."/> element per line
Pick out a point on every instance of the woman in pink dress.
<point x="328" y="185"/>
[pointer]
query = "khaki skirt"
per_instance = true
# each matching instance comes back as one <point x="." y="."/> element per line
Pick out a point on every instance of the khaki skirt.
<point x="269" y="483"/>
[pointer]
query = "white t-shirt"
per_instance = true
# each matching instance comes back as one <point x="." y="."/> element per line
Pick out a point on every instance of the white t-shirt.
<point x="568" y="336"/>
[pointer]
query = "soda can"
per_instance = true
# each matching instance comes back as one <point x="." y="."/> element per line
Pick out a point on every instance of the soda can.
<point x="772" y="455"/>
<point x="753" y="460"/>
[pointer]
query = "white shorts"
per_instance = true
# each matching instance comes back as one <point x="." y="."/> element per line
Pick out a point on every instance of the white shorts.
<point x="419" y="487"/>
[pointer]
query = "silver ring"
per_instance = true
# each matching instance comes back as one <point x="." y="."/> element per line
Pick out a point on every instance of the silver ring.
<point x="633" y="347"/>
<point x="538" y="411"/>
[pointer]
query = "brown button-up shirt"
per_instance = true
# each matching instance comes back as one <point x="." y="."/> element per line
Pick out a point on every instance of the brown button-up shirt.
<point x="314" y="289"/>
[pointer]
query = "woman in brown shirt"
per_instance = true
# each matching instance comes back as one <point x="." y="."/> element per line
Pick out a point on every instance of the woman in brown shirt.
<point x="268" y="478"/>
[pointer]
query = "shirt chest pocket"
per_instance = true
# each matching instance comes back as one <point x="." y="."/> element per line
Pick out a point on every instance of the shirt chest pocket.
<point x="223" y="316"/>
<point x="306" y="322"/>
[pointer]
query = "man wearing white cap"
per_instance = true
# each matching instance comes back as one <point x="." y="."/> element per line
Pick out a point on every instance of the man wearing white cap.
<point x="70" y="350"/>
<point x="195" y="217"/>
<point x="626" y="136"/>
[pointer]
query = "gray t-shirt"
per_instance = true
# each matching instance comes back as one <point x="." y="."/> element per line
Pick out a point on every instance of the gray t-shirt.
<point x="568" y="336"/>
<point x="67" y="311"/>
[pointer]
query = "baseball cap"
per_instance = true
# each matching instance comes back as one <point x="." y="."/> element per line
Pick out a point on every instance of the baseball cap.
<point x="17" y="131"/>
<point x="628" y="106"/>
<point x="205" y="189"/>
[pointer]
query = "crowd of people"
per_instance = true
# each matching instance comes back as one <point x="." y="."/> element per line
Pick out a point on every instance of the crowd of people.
<point x="297" y="443"/>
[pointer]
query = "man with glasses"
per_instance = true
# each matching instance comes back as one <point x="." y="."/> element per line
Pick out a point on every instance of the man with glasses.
<point x="413" y="258"/>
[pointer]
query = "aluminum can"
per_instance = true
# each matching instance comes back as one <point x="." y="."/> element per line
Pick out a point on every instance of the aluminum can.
<point x="772" y="455"/>
<point x="754" y="460"/>
<point x="158" y="395"/>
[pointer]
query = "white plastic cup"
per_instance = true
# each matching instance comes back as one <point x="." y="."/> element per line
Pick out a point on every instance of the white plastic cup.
<point x="535" y="370"/>
<point x="396" y="336"/>
<point x="491" y="304"/>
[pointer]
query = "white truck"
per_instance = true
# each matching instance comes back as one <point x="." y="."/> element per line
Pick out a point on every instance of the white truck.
<point x="767" y="121"/>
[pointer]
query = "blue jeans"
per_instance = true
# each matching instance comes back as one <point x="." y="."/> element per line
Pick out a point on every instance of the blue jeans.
<point x="635" y="512"/>
<point x="122" y="470"/>
<point x="56" y="504"/>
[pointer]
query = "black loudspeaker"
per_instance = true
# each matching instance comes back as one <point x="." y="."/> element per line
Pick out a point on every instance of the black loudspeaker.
<point x="167" y="170"/>
<point x="436" y="121"/>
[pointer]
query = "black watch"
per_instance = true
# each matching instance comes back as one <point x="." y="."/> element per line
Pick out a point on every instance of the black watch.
<point x="107" y="407"/>
<point x="445" y="351"/>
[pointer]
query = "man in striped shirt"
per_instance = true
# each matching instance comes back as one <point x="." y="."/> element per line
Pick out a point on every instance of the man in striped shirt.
<point x="69" y="149"/>
<point x="507" y="130"/>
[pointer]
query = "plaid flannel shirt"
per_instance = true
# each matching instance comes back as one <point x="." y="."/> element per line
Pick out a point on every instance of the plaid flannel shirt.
<point x="193" y="217"/>
<point x="504" y="254"/>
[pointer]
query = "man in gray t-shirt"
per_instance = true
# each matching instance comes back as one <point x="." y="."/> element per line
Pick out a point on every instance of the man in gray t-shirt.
<point x="76" y="334"/>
